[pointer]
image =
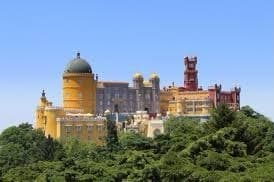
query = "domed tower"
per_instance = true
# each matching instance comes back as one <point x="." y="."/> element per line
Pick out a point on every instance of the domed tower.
<point x="138" y="80"/>
<point x="79" y="87"/>
<point x="154" y="80"/>
<point x="155" y="83"/>
<point x="138" y="83"/>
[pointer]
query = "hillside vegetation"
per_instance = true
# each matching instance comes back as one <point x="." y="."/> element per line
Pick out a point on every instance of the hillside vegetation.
<point x="231" y="146"/>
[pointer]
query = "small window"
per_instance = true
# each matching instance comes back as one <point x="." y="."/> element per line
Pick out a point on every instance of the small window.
<point x="68" y="129"/>
<point x="191" y="65"/>
<point x="116" y="95"/>
<point x="89" y="128"/>
<point x="78" y="128"/>
<point x="100" y="128"/>
<point x="80" y="95"/>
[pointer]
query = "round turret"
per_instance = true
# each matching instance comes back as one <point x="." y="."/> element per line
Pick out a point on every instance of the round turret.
<point x="79" y="87"/>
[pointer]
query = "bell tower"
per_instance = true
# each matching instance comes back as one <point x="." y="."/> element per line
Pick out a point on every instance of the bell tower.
<point x="190" y="74"/>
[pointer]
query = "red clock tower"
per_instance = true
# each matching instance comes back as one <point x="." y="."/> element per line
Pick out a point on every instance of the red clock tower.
<point x="190" y="74"/>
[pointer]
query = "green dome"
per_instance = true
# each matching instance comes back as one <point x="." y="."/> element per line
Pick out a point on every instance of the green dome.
<point x="78" y="65"/>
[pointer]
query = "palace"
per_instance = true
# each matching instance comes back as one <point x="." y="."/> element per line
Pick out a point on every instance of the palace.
<point x="192" y="101"/>
<point x="86" y="100"/>
<point x="77" y="116"/>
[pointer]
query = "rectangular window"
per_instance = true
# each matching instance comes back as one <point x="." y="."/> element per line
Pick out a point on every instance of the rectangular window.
<point x="68" y="129"/>
<point x="189" y="110"/>
<point x="100" y="128"/>
<point x="80" y="95"/>
<point x="189" y="103"/>
<point x="89" y="128"/>
<point x="147" y="96"/>
<point x="78" y="128"/>
<point x="116" y="95"/>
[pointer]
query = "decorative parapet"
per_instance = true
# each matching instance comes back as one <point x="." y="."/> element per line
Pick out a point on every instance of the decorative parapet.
<point x="81" y="118"/>
<point x="48" y="108"/>
<point x="77" y="74"/>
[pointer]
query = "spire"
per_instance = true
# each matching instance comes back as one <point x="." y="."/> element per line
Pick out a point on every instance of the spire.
<point x="43" y="97"/>
<point x="43" y="93"/>
<point x="78" y="55"/>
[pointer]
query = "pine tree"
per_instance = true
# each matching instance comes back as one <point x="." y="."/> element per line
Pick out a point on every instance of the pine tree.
<point x="112" y="137"/>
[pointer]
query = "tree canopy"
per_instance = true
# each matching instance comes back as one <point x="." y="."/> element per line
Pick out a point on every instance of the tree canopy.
<point x="230" y="146"/>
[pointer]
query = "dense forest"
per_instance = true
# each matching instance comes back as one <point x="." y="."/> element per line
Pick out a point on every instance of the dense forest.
<point x="230" y="146"/>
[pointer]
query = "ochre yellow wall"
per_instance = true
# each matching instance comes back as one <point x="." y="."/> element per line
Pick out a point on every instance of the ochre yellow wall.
<point x="175" y="101"/>
<point x="164" y="100"/>
<point x="39" y="118"/>
<point x="51" y="115"/>
<point x="79" y="92"/>
<point x="39" y="113"/>
<point x="45" y="117"/>
<point x="193" y="95"/>
<point x="166" y="96"/>
<point x="85" y="134"/>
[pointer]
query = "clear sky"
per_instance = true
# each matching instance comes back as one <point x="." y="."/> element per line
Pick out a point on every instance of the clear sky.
<point x="233" y="40"/>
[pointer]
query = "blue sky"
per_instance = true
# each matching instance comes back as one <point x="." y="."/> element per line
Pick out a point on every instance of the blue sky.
<point x="233" y="40"/>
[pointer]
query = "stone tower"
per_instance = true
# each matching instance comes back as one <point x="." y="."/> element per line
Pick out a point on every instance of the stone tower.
<point x="155" y="83"/>
<point x="190" y="74"/>
<point x="138" y="80"/>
